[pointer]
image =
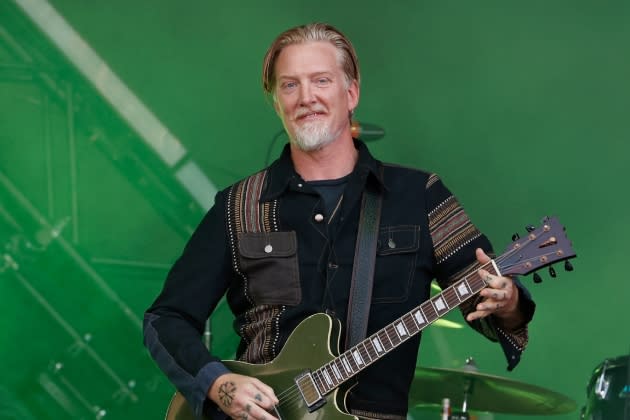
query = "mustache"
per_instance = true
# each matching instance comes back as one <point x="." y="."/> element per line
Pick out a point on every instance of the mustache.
<point x="305" y="112"/>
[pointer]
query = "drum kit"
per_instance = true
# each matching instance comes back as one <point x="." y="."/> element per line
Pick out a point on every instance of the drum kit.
<point x="458" y="393"/>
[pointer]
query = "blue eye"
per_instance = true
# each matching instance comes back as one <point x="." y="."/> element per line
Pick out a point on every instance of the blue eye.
<point x="323" y="81"/>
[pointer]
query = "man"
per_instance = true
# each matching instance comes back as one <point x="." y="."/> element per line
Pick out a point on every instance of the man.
<point x="281" y="244"/>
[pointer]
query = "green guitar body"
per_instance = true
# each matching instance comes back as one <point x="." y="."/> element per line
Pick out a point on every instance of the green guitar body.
<point x="311" y="345"/>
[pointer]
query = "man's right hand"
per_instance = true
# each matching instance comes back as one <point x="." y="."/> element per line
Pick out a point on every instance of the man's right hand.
<point x="243" y="397"/>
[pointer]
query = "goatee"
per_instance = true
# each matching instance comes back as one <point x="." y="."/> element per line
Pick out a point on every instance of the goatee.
<point x="313" y="136"/>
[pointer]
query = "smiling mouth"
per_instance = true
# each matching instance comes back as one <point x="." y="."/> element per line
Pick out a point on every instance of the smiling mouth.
<point x="310" y="116"/>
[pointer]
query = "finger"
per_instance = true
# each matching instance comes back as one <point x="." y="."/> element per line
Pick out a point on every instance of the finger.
<point x="265" y="391"/>
<point x="253" y="411"/>
<point x="477" y="315"/>
<point x="495" y="294"/>
<point x="481" y="256"/>
<point x="495" y="282"/>
<point x="486" y="308"/>
<point x="486" y="276"/>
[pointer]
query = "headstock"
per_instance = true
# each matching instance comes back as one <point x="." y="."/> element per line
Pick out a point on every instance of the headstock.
<point x="541" y="247"/>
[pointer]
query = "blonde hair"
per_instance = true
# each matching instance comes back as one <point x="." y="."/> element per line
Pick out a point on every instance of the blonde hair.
<point x="310" y="33"/>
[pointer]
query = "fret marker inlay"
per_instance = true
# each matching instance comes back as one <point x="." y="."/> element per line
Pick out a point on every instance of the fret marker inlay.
<point x="346" y="365"/>
<point x="419" y="317"/>
<point x="401" y="329"/>
<point x="439" y="304"/>
<point x="462" y="289"/>
<point x="377" y="344"/>
<point x="336" y="372"/>
<point x="327" y="377"/>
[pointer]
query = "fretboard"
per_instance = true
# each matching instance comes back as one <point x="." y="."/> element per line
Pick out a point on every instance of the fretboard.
<point x="385" y="340"/>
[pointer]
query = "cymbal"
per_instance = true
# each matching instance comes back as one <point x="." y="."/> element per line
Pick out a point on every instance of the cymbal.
<point x="486" y="393"/>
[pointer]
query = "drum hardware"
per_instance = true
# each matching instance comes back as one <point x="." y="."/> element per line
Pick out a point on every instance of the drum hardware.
<point x="608" y="391"/>
<point x="602" y="384"/>
<point x="474" y="391"/>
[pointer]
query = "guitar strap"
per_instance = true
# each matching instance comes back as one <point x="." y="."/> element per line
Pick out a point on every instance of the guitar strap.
<point x="363" y="268"/>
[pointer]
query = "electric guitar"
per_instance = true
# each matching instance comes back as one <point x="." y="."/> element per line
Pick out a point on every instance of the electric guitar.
<point x="309" y="373"/>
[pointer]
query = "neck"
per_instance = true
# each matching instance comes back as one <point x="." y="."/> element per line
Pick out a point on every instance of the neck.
<point x="333" y="161"/>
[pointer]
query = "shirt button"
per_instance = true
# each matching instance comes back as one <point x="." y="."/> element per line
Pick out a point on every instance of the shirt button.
<point x="299" y="185"/>
<point x="319" y="217"/>
<point x="268" y="249"/>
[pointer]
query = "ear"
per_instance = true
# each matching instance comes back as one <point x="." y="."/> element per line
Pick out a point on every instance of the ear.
<point x="353" y="95"/>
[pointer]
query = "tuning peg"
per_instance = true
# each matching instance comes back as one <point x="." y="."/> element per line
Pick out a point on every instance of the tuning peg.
<point x="537" y="278"/>
<point x="530" y="228"/>
<point x="515" y="237"/>
<point x="552" y="272"/>
<point x="568" y="266"/>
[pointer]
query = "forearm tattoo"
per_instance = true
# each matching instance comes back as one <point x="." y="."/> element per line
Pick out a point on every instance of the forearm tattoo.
<point x="226" y="393"/>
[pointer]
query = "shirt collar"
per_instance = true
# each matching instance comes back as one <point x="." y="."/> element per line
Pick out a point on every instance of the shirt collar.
<point x="282" y="175"/>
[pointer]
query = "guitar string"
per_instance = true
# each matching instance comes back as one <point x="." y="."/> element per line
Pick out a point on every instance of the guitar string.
<point x="292" y="394"/>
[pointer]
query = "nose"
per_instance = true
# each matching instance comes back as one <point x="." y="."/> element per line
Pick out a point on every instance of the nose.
<point x="306" y="94"/>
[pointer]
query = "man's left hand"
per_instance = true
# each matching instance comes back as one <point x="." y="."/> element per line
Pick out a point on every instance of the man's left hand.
<point x="500" y="296"/>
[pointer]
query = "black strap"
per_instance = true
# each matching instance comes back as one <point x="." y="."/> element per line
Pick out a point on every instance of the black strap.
<point x="363" y="268"/>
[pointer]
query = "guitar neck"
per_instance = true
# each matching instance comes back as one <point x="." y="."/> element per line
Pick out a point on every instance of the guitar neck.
<point x="354" y="360"/>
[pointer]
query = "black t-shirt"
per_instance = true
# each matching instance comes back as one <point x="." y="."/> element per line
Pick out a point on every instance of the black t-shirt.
<point x="330" y="190"/>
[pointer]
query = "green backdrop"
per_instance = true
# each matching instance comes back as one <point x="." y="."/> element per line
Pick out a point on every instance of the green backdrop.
<point x="519" y="106"/>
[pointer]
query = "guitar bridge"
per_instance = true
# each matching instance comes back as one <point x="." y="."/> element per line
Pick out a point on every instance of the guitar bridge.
<point x="309" y="391"/>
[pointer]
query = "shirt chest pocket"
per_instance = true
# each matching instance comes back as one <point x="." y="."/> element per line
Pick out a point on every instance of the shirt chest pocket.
<point x="270" y="263"/>
<point x="396" y="255"/>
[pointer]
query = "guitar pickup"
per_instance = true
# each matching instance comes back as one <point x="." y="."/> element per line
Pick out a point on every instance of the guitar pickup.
<point x="310" y="394"/>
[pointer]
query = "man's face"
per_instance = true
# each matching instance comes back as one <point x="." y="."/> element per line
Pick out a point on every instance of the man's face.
<point x="312" y="95"/>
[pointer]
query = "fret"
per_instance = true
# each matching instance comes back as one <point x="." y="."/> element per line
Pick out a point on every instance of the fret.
<point x="419" y="318"/>
<point x="342" y="368"/>
<point x="463" y="290"/>
<point x="476" y="283"/>
<point x="378" y="345"/>
<point x="393" y="335"/>
<point x="365" y="353"/>
<point x="346" y="365"/>
<point x="327" y="377"/>
<point x="331" y="373"/>
<point x="351" y="361"/>
<point x="402" y="331"/>
<point x="490" y="268"/>
<point x="411" y="325"/>
<point x="440" y="304"/>
<point x="337" y="372"/>
<point x="383" y="332"/>
<point x="317" y="377"/>
<point x="357" y="357"/>
<point x="451" y="298"/>
<point x="429" y="311"/>
<point x="370" y="349"/>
